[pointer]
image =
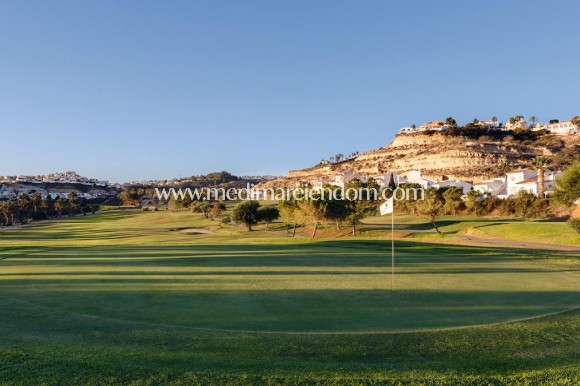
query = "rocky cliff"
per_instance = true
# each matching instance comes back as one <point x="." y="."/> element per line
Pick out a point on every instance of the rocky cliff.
<point x="441" y="155"/>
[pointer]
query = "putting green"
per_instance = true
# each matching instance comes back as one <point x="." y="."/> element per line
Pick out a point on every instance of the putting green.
<point x="131" y="267"/>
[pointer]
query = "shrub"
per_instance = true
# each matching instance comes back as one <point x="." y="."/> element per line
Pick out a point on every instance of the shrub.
<point x="574" y="224"/>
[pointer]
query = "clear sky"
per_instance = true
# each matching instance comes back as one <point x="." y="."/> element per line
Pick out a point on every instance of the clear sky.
<point x="125" y="90"/>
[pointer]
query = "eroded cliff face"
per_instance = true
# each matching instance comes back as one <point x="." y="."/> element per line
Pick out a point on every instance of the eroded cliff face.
<point x="438" y="155"/>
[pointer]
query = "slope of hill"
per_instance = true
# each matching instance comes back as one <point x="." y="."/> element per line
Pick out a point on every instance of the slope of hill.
<point x="439" y="154"/>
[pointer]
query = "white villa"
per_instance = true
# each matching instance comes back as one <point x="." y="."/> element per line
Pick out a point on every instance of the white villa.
<point x="415" y="177"/>
<point x="494" y="188"/>
<point x="563" y="128"/>
<point x="519" y="124"/>
<point x="384" y="179"/>
<point x="435" y="125"/>
<point x="463" y="185"/>
<point x="489" y="124"/>
<point x="527" y="180"/>
<point x="343" y="178"/>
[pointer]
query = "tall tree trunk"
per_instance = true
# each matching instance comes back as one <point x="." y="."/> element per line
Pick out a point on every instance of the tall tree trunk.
<point x="315" y="229"/>
<point x="337" y="226"/>
<point x="250" y="227"/>
<point x="294" y="230"/>
<point x="354" y="229"/>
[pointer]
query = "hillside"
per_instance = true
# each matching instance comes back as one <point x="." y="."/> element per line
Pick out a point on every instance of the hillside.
<point x="440" y="154"/>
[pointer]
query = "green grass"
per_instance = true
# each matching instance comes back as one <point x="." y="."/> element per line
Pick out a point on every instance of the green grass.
<point x="131" y="298"/>
<point x="541" y="231"/>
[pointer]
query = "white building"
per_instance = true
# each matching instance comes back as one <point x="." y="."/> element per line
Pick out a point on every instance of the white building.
<point x="415" y="177"/>
<point x="493" y="188"/>
<point x="384" y="179"/>
<point x="515" y="177"/>
<point x="539" y="126"/>
<point x="343" y="178"/>
<point x="520" y="124"/>
<point x="435" y="125"/>
<point x="463" y="185"/>
<point x="490" y="124"/>
<point x="563" y="128"/>
<point x="527" y="180"/>
<point x="531" y="185"/>
<point x="408" y="129"/>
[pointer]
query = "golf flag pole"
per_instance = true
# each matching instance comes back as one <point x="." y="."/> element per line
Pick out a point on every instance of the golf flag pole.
<point x="392" y="250"/>
<point x="387" y="208"/>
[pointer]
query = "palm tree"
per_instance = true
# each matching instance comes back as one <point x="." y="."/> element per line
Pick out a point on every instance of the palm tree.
<point x="541" y="164"/>
<point x="24" y="204"/>
<point x="36" y="199"/>
<point x="533" y="120"/>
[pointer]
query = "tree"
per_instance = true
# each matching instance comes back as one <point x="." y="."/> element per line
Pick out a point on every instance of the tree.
<point x="268" y="214"/>
<point x="24" y="204"/>
<point x="524" y="203"/>
<point x="576" y="120"/>
<point x="176" y="203"/>
<point x="311" y="212"/>
<point x="452" y="197"/>
<point x="541" y="164"/>
<point x="431" y="206"/>
<point x="203" y="207"/>
<point x="473" y="200"/>
<point x="46" y="206"/>
<point x="567" y="189"/>
<point x="333" y="210"/>
<point x="246" y="213"/>
<point x="364" y="206"/>
<point x="450" y="122"/>
<point x="533" y="120"/>
<point x="8" y="209"/>
<point x="36" y="198"/>
<point x="217" y="209"/>
<point x="59" y="206"/>
<point x="289" y="213"/>
<point x="72" y="201"/>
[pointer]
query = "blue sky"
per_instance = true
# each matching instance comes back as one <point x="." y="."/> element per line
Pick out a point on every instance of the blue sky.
<point x="125" y="90"/>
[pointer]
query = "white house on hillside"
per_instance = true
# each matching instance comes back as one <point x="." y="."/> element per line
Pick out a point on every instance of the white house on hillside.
<point x="516" y="176"/>
<point x="415" y="177"/>
<point x="489" y="124"/>
<point x="531" y="185"/>
<point x="493" y="188"/>
<point x="463" y="185"/>
<point x="343" y="178"/>
<point x="384" y="179"/>
<point x="408" y="129"/>
<point x="435" y="125"/>
<point x="563" y="128"/>
<point x="520" y="124"/>
<point x="527" y="180"/>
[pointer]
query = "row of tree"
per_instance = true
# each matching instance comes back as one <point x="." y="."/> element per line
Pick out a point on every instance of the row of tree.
<point x="435" y="203"/>
<point x="28" y="207"/>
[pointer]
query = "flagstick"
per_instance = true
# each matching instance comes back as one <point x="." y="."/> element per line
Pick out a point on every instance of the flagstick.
<point x="393" y="249"/>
